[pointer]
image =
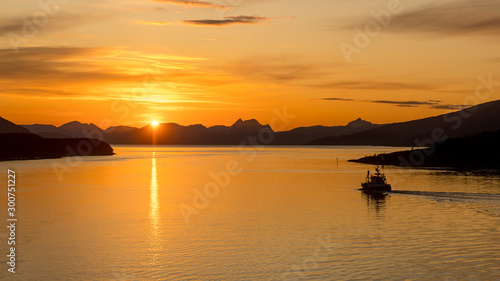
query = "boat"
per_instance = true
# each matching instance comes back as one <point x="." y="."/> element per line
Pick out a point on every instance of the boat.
<point x="376" y="182"/>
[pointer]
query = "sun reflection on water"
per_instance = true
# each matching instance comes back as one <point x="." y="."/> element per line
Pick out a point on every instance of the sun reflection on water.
<point x="154" y="213"/>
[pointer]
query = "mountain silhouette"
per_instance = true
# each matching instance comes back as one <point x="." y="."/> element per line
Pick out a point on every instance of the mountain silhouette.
<point x="23" y="146"/>
<point x="72" y="129"/>
<point x="304" y="135"/>
<point x="116" y="134"/>
<point x="79" y="130"/>
<point x="8" y="127"/>
<point x="478" y="151"/>
<point x="47" y="131"/>
<point x="172" y="133"/>
<point x="472" y="120"/>
<point x="358" y="123"/>
<point x="17" y="143"/>
<point x="247" y="124"/>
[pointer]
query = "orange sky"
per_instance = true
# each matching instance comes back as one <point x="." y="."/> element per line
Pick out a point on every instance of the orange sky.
<point x="212" y="62"/>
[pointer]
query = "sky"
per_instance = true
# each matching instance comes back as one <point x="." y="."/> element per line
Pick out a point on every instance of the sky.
<point x="211" y="62"/>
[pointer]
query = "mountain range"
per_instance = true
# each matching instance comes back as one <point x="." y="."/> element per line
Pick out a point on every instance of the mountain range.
<point x="172" y="133"/>
<point x="472" y="120"/>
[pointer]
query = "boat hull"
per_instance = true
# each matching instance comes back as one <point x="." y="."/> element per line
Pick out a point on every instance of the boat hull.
<point x="368" y="187"/>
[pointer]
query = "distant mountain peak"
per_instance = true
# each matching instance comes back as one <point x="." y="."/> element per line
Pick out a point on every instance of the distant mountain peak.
<point x="72" y="123"/>
<point x="247" y="123"/>
<point x="77" y="124"/>
<point x="358" y="123"/>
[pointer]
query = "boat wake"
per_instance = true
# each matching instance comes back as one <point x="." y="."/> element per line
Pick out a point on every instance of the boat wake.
<point x="451" y="195"/>
<point x="486" y="202"/>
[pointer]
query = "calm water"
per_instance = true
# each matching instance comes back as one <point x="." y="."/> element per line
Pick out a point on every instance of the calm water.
<point x="285" y="214"/>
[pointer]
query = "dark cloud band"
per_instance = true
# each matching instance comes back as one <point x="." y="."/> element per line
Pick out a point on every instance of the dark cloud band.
<point x="227" y="21"/>
<point x="434" y="104"/>
<point x="195" y="3"/>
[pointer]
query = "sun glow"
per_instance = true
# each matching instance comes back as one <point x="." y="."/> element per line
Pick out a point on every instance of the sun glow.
<point x="155" y="123"/>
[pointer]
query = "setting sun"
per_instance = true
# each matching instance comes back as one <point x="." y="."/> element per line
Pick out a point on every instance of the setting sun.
<point x="154" y="123"/>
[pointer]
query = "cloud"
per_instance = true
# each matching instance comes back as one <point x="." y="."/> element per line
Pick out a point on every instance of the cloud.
<point x="280" y="69"/>
<point x="303" y="72"/>
<point x="196" y="3"/>
<point x="227" y="21"/>
<point x="337" y="99"/>
<point x="154" y="23"/>
<point x="299" y="71"/>
<point x="450" y="106"/>
<point x="157" y="10"/>
<point x="93" y="73"/>
<point x="434" y="104"/>
<point x="105" y="73"/>
<point x="494" y="60"/>
<point x="25" y="24"/>
<point x="375" y="85"/>
<point x="53" y="63"/>
<point x="451" y="18"/>
<point x="406" y="103"/>
<point x="11" y="25"/>
<point x="162" y="10"/>
<point x="208" y="22"/>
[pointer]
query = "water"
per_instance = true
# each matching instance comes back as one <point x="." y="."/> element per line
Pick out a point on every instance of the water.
<point x="287" y="213"/>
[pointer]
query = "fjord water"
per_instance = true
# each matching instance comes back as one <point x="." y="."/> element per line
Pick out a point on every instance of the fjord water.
<point x="287" y="213"/>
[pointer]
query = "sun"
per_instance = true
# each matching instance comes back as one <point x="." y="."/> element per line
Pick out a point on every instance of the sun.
<point x="155" y="123"/>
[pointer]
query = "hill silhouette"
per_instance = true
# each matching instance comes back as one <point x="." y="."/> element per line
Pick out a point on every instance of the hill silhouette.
<point x="472" y="120"/>
<point x="478" y="151"/>
<point x="47" y="131"/>
<point x="304" y="135"/>
<point x="8" y="127"/>
<point x="72" y="129"/>
<point x="23" y="146"/>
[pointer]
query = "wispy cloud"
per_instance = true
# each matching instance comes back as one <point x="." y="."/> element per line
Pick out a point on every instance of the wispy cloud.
<point x="337" y="99"/>
<point x="196" y="3"/>
<point x="155" y="10"/>
<point x="494" y="60"/>
<point x="10" y="25"/>
<point x="375" y="85"/>
<point x="227" y="21"/>
<point x="406" y="103"/>
<point x="290" y="69"/>
<point x="54" y="63"/>
<point x="16" y="25"/>
<point x="301" y="72"/>
<point x="92" y="73"/>
<point x="434" y="104"/>
<point x="450" y="106"/>
<point x="154" y="23"/>
<point x="101" y="74"/>
<point x="451" y="18"/>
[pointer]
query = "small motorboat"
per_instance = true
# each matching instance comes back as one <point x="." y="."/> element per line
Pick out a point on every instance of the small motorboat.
<point x="376" y="182"/>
